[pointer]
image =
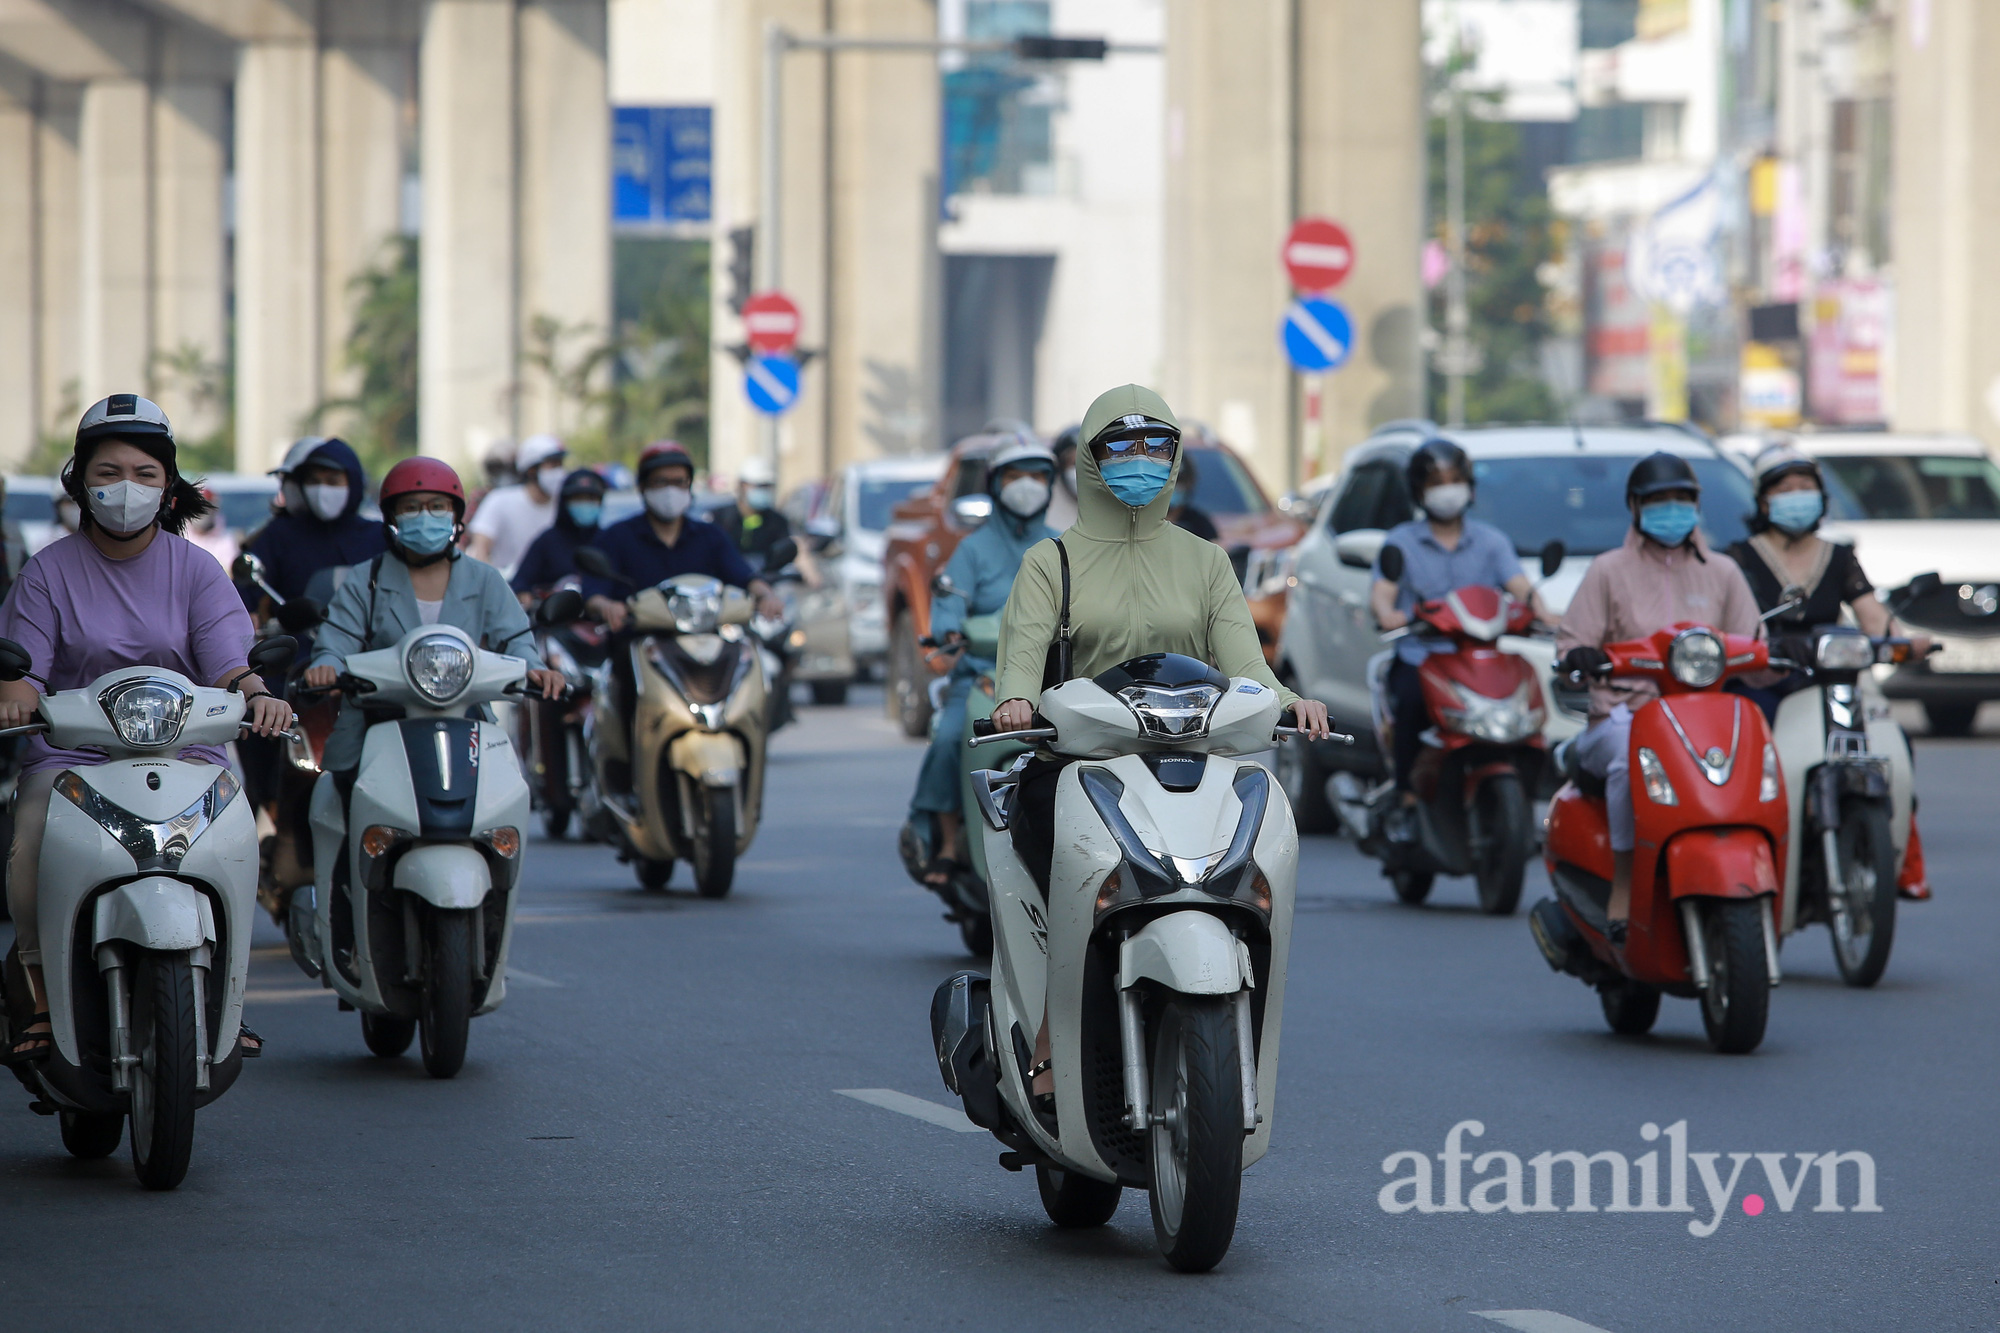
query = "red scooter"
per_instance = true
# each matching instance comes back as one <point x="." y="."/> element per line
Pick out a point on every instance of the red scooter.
<point x="1482" y="756"/>
<point x="1709" y="803"/>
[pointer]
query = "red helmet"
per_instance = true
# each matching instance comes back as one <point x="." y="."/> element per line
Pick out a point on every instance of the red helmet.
<point x="664" y="453"/>
<point x="423" y="474"/>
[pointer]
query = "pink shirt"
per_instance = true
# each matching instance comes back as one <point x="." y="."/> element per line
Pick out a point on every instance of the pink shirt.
<point x="1642" y="587"/>
<point x="80" y="613"/>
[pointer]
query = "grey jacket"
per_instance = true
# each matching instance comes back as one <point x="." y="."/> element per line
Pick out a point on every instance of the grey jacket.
<point x="476" y="600"/>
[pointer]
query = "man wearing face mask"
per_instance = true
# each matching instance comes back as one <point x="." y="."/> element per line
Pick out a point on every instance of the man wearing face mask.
<point x="320" y="526"/>
<point x="1661" y="576"/>
<point x="510" y="518"/>
<point x="1442" y="551"/>
<point x="754" y="522"/>
<point x="552" y="556"/>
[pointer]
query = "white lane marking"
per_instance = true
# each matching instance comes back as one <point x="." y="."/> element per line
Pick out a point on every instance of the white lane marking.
<point x="1538" y="1321"/>
<point x="520" y="978"/>
<point x="286" y="996"/>
<point x="904" y="1104"/>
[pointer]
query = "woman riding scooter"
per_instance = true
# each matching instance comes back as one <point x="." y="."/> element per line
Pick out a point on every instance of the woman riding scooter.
<point x="1661" y="576"/>
<point x="126" y="590"/>
<point x="981" y="573"/>
<point x="1786" y="552"/>
<point x="1132" y="583"/>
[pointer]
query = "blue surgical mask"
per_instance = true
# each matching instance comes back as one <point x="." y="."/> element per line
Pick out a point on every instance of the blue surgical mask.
<point x="585" y="513"/>
<point x="1668" y="522"/>
<point x="425" y="533"/>
<point x="1797" y="511"/>
<point x="1136" y="480"/>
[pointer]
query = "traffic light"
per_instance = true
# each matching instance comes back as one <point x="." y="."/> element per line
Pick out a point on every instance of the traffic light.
<point x="742" y="266"/>
<point x="1060" y="48"/>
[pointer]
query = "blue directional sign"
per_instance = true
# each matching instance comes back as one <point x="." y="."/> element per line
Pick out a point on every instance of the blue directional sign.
<point x="659" y="166"/>
<point x="772" y="383"/>
<point x="1318" y="334"/>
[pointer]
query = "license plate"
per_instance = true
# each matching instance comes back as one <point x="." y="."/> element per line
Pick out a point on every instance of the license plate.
<point x="1968" y="655"/>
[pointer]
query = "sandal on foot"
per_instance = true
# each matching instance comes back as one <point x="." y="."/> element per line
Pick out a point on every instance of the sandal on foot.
<point x="943" y="866"/>
<point x="1044" y="1103"/>
<point x="31" y="1048"/>
<point x="249" y="1042"/>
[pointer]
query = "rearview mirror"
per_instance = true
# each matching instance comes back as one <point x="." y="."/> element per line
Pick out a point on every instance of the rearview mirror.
<point x="969" y="511"/>
<point x="942" y="586"/>
<point x="595" y="563"/>
<point x="271" y="658"/>
<point x="1923" y="585"/>
<point x="1391" y="560"/>
<point x="1552" y="558"/>
<point x="14" y="660"/>
<point x="1357" y="549"/>
<point x="564" y="606"/>
<point x="301" y="614"/>
<point x="247" y="569"/>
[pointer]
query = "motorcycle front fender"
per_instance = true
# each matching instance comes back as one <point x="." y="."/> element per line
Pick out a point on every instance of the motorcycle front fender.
<point x="712" y="759"/>
<point x="445" y="875"/>
<point x="158" y="912"/>
<point x="1721" y="863"/>
<point x="1191" y="953"/>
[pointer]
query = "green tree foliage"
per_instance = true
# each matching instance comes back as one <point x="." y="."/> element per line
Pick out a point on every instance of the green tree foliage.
<point x="1508" y="237"/>
<point x="649" y="381"/>
<point x="380" y="418"/>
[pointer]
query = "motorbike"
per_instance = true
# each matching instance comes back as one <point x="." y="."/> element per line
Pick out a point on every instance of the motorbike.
<point x="1711" y="813"/>
<point x="146" y="890"/>
<point x="780" y="644"/>
<point x="1848" y="783"/>
<point x="1483" y="757"/>
<point x="410" y="915"/>
<point x="555" y="737"/>
<point x="1156" y="962"/>
<point x="694" y="789"/>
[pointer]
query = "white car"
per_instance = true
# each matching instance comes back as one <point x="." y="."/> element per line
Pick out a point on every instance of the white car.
<point x="1537" y="484"/>
<point x="864" y="496"/>
<point x="1912" y="504"/>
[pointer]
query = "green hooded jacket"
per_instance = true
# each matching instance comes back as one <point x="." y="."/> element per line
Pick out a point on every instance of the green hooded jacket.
<point x="1138" y="584"/>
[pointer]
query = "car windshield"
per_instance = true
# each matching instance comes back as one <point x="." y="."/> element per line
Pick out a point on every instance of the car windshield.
<point x="1221" y="486"/>
<point x="875" y="497"/>
<point x="1905" y="486"/>
<point x="1579" y="500"/>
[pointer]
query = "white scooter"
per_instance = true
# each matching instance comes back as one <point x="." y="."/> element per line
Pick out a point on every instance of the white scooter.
<point x="1159" y="953"/>
<point x="145" y="894"/>
<point x="411" y="911"/>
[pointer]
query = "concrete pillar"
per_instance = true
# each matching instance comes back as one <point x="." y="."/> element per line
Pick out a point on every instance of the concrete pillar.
<point x="1279" y="109"/>
<point x="278" y="319"/>
<point x="189" y="246"/>
<point x="59" y="278"/>
<point x="116" y="217"/>
<point x="1946" y="266"/>
<point x="469" y="133"/>
<point x="565" y="201"/>
<point x="18" y="302"/>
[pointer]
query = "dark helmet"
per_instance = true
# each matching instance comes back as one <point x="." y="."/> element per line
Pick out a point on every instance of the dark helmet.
<point x="1432" y="457"/>
<point x="1065" y="441"/>
<point x="663" y="453"/>
<point x="1660" y="472"/>
<point x="583" y="481"/>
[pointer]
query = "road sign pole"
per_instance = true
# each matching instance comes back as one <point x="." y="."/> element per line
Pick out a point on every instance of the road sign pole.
<point x="1315" y="386"/>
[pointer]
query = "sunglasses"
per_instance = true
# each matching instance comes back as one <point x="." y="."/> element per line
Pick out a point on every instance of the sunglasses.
<point x="1135" y="446"/>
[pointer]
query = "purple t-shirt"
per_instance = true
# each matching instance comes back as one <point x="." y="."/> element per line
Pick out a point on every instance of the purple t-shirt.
<point x="80" y="614"/>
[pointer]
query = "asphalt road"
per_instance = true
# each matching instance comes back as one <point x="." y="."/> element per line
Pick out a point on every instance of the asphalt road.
<point x="649" y="1133"/>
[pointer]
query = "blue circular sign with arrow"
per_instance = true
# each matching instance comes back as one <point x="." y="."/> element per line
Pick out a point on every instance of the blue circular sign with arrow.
<point x="772" y="383"/>
<point x="1318" y="334"/>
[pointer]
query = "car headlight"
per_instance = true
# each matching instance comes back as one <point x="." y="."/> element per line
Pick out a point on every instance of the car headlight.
<point x="1659" y="789"/>
<point x="1174" y="714"/>
<point x="1496" y="721"/>
<point x="148" y="713"/>
<point x="1696" y="658"/>
<point x="696" y="610"/>
<point x="1845" y="652"/>
<point x="439" y="666"/>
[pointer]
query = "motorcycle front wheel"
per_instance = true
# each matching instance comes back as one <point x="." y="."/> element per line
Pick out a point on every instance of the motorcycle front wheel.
<point x="1737" y="1000"/>
<point x="447" y="1000"/>
<point x="1501" y="807"/>
<point x="1862" y="906"/>
<point x="1195" y="1148"/>
<point x="715" y="843"/>
<point x="1073" y="1200"/>
<point x="163" y="1092"/>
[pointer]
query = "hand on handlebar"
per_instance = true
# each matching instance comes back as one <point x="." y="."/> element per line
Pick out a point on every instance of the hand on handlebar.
<point x="1310" y="717"/>
<point x="1584" y="660"/>
<point x="1013" y="715"/>
<point x="268" y="715"/>
<point x="549" y="682"/>
<point x="321" y="677"/>
<point x="609" y="610"/>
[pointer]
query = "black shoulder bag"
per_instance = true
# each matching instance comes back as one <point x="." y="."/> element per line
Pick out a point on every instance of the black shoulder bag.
<point x="1056" y="669"/>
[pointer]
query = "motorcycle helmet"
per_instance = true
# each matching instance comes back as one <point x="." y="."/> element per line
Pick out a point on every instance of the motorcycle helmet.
<point x="139" y="422"/>
<point x="1430" y="458"/>
<point x="664" y="453"/>
<point x="583" y="482"/>
<point x="1781" y="461"/>
<point x="423" y="474"/>
<point x="1659" y="472"/>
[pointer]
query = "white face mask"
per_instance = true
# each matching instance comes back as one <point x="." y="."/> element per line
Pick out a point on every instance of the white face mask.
<point x="550" y="478"/>
<point x="1024" y="497"/>
<point x="1445" y="503"/>
<point x="125" y="506"/>
<point x="327" y="501"/>
<point x="667" y="503"/>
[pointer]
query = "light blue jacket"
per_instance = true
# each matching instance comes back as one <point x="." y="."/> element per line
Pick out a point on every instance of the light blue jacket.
<point x="476" y="600"/>
<point x="983" y="569"/>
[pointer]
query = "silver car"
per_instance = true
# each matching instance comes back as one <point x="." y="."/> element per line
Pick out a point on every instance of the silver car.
<point x="864" y="496"/>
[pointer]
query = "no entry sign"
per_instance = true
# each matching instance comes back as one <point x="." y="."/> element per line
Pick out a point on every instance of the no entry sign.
<point x="771" y="322"/>
<point x="1318" y="254"/>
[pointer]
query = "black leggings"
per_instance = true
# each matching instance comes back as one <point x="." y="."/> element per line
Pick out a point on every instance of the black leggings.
<point x="1411" y="716"/>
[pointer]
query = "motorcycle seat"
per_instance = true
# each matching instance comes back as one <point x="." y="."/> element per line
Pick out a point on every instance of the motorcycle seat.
<point x="1569" y="761"/>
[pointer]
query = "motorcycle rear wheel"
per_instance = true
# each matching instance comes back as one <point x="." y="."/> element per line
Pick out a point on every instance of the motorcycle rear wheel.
<point x="1195" y="1147"/>
<point x="1073" y="1200"/>
<point x="1737" y="1001"/>
<point x="715" y="843"/>
<point x="447" y="998"/>
<point x="387" y="1035"/>
<point x="1502" y="810"/>
<point x="1862" y="912"/>
<point x="163" y="1091"/>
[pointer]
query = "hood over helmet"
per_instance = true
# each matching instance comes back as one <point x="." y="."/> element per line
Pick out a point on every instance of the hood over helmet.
<point x="323" y="451"/>
<point x="1100" y="514"/>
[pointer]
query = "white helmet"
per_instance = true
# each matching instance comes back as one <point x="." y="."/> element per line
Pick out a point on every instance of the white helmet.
<point x="536" y="449"/>
<point x="757" y="471"/>
<point x="1021" y="449"/>
<point x="126" y="415"/>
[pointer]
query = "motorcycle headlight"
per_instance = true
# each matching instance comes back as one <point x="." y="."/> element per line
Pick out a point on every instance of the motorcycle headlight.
<point x="1496" y="721"/>
<point x="696" y="610"/>
<point x="1845" y="652"/>
<point x="147" y="713"/>
<point x="1173" y="714"/>
<point x="439" y="666"/>
<point x="1696" y="658"/>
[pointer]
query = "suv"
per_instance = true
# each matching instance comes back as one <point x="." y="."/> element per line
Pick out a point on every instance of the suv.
<point x="1535" y="483"/>
<point x="1912" y="503"/>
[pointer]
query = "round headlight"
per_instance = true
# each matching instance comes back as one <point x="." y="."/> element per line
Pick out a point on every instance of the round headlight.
<point x="696" y="610"/>
<point x="1845" y="651"/>
<point x="1696" y="658"/>
<point x="148" y="713"/>
<point x="440" y="666"/>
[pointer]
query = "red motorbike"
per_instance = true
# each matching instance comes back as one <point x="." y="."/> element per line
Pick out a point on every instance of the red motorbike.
<point x="1482" y="754"/>
<point x="1709" y="804"/>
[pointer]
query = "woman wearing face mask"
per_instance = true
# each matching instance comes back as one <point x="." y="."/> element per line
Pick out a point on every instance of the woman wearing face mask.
<point x="422" y="579"/>
<point x="1442" y="551"/>
<point x="320" y="526"/>
<point x="1663" y="574"/>
<point x="1019" y="477"/>
<point x="128" y="590"/>
<point x="1786" y="551"/>
<point x="551" y="558"/>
